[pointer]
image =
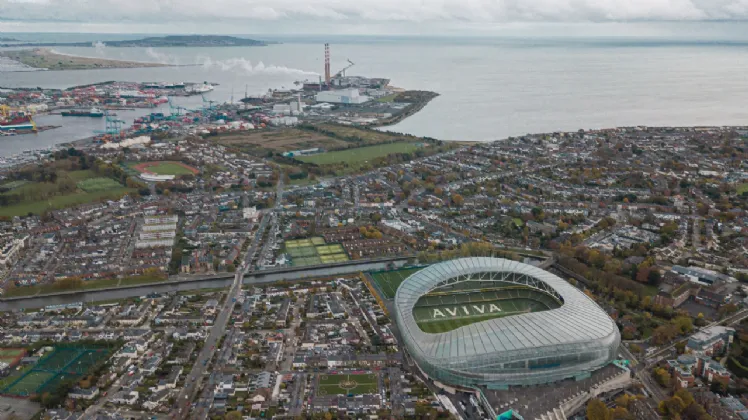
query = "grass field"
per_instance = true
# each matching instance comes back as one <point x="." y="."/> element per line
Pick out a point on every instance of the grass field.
<point x="99" y="184"/>
<point x="442" y="312"/>
<point x="347" y="384"/>
<point x="30" y="383"/>
<point x="359" y="154"/>
<point x="75" y="198"/>
<point x="278" y="140"/>
<point x="164" y="168"/>
<point x="743" y="188"/>
<point x="63" y="201"/>
<point x="388" y="98"/>
<point x="12" y="185"/>
<point x="389" y="281"/>
<point x="8" y="355"/>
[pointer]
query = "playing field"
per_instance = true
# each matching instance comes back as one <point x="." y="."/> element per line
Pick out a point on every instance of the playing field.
<point x="313" y="251"/>
<point x="11" y="355"/>
<point x="347" y="384"/>
<point x="92" y="185"/>
<point x="445" y="311"/>
<point x="61" y="364"/>
<point x="742" y="188"/>
<point x="165" y="168"/>
<point x="359" y="154"/>
<point x="38" y="197"/>
<point x="389" y="281"/>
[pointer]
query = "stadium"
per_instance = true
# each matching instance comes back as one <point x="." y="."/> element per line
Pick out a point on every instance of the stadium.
<point x="497" y="323"/>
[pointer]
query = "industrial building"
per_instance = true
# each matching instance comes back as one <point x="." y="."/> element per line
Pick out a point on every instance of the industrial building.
<point x="342" y="96"/>
<point x="555" y="331"/>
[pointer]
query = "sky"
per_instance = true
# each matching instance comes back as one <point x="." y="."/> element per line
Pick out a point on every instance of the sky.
<point x="616" y="17"/>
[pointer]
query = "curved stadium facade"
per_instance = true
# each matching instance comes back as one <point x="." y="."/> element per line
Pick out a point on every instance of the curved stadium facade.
<point x="494" y="322"/>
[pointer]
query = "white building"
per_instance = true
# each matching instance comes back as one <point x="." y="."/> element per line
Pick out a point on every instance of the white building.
<point x="343" y="96"/>
<point x="9" y="252"/>
<point x="284" y="121"/>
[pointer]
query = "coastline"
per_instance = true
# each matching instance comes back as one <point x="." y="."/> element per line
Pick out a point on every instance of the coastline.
<point x="46" y="59"/>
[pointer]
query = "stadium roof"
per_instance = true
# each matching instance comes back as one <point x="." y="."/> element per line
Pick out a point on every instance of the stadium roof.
<point x="579" y="321"/>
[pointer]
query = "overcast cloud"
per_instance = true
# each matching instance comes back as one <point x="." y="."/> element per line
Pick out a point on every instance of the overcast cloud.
<point x="345" y="13"/>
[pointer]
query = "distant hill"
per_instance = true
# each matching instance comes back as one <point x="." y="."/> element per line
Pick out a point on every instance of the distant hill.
<point x="189" y="41"/>
<point x="158" y="41"/>
<point x="7" y="39"/>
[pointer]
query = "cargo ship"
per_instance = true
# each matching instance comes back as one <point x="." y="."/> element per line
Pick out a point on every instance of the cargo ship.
<point x="93" y="112"/>
<point x="18" y="123"/>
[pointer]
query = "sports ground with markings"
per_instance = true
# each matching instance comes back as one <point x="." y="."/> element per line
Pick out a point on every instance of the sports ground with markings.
<point x="389" y="281"/>
<point x="442" y="311"/>
<point x="313" y="251"/>
<point x="347" y="384"/>
<point x="165" y="168"/>
<point x="61" y="364"/>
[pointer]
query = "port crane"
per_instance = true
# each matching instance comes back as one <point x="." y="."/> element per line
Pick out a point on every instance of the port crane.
<point x="209" y="102"/>
<point x="176" y="110"/>
<point x="341" y="73"/>
<point x="113" y="126"/>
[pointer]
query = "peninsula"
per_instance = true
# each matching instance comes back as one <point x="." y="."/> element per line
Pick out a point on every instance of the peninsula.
<point x="159" y="41"/>
<point x="42" y="58"/>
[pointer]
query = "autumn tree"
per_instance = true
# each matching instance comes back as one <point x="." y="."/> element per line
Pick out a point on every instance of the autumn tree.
<point x="596" y="410"/>
<point x="662" y="376"/>
<point x="233" y="415"/>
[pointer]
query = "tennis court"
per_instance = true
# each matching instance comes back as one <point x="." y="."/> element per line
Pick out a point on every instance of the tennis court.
<point x="314" y="251"/>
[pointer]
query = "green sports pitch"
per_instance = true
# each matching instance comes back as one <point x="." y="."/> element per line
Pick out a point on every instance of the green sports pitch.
<point x="389" y="281"/>
<point x="442" y="311"/>
<point x="347" y="384"/>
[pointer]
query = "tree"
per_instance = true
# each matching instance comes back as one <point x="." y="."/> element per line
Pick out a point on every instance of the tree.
<point x="457" y="200"/>
<point x="684" y="324"/>
<point x="728" y="309"/>
<point x="685" y="396"/>
<point x="662" y="377"/>
<point x="673" y="406"/>
<point x="233" y="415"/>
<point x="596" y="410"/>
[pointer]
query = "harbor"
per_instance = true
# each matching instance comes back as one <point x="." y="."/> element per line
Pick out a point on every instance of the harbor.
<point x="115" y="111"/>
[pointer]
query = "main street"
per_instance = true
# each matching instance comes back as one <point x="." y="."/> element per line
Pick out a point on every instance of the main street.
<point x="193" y="382"/>
<point x="219" y="327"/>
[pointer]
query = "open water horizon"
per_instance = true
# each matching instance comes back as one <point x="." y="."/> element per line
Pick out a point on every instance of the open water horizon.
<point x="490" y="88"/>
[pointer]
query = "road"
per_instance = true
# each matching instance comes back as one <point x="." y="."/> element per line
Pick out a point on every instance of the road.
<point x="641" y="372"/>
<point x="194" y="380"/>
<point x="730" y="320"/>
<point x="191" y="386"/>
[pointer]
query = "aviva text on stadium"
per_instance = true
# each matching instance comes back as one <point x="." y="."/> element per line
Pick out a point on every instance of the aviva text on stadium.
<point x="494" y="322"/>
